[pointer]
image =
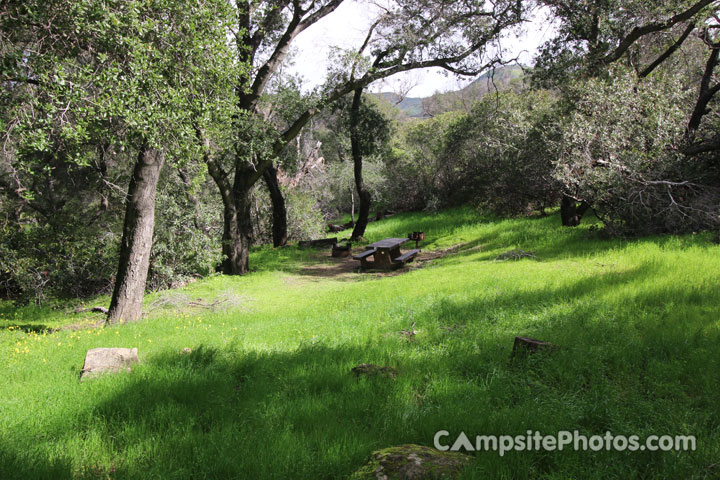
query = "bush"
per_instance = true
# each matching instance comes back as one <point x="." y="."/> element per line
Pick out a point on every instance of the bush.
<point x="188" y="230"/>
<point x="618" y="151"/>
<point x="495" y="157"/>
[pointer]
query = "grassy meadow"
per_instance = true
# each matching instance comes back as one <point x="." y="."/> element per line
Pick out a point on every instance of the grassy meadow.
<point x="267" y="391"/>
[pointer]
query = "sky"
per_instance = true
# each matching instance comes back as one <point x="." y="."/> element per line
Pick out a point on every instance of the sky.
<point x="346" y="27"/>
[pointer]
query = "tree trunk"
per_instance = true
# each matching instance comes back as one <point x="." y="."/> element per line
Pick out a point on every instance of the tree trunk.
<point x="278" y="206"/>
<point x="237" y="233"/>
<point x="363" y="193"/>
<point x="237" y="219"/>
<point x="570" y="212"/>
<point x="352" y="204"/>
<point x="136" y="245"/>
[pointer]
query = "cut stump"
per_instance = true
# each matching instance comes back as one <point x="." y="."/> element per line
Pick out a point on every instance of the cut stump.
<point x="524" y="345"/>
<point x="341" y="251"/>
<point x="370" y="369"/>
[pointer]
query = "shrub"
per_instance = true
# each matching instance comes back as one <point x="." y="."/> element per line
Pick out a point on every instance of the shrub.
<point x="619" y="152"/>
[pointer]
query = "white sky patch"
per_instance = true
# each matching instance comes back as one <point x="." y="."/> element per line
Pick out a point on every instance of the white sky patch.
<point x="347" y="26"/>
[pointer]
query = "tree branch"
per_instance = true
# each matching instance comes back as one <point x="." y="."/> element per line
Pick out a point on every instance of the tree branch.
<point x="296" y="25"/>
<point x="27" y="80"/>
<point x="639" y="32"/>
<point x="668" y="53"/>
<point x="703" y="147"/>
<point x="704" y="97"/>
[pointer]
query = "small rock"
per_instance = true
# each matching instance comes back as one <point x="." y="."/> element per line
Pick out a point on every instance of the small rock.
<point x="412" y="462"/>
<point x="370" y="369"/>
<point x="104" y="360"/>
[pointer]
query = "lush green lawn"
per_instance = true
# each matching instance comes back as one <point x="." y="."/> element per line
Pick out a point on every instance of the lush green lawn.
<point x="267" y="393"/>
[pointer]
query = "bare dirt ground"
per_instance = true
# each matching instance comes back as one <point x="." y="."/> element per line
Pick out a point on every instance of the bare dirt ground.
<point x="349" y="269"/>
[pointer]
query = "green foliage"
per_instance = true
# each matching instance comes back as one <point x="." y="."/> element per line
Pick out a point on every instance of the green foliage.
<point x="374" y="128"/>
<point x="267" y="391"/>
<point x="186" y="243"/>
<point x="590" y="31"/>
<point x="495" y="156"/>
<point x="338" y="187"/>
<point x="37" y="262"/>
<point x="86" y="85"/>
<point x="305" y="219"/>
<point x="501" y="148"/>
<point x="619" y="151"/>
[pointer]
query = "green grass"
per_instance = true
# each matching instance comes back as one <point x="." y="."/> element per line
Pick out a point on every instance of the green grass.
<point x="267" y="393"/>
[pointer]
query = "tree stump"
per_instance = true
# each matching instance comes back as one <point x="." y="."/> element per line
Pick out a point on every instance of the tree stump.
<point x="524" y="345"/>
<point x="341" y="251"/>
<point x="372" y="370"/>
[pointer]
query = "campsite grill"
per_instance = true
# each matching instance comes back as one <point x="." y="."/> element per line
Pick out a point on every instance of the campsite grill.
<point x="417" y="236"/>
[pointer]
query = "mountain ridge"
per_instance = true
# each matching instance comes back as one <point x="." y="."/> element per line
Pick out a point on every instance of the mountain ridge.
<point x="413" y="106"/>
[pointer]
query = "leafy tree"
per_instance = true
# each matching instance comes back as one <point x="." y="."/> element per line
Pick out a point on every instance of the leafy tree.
<point x="619" y="152"/>
<point x="499" y="153"/>
<point x="642" y="35"/>
<point x="369" y="132"/>
<point x="406" y="35"/>
<point x="594" y="34"/>
<point x="421" y="166"/>
<point x="135" y="80"/>
<point x="495" y="156"/>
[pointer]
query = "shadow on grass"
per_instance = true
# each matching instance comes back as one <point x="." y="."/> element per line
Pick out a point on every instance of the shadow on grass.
<point x="28" y="317"/>
<point x="13" y="465"/>
<point x="232" y="414"/>
<point x="27" y="328"/>
<point x="236" y="413"/>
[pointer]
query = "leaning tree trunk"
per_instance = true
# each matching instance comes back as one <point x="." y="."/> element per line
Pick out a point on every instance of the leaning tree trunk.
<point x="363" y="193"/>
<point x="237" y="219"/>
<point x="278" y="206"/>
<point x="570" y="212"/>
<point x="136" y="245"/>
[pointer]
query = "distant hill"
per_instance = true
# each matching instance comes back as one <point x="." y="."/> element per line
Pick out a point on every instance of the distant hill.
<point x="411" y="106"/>
<point x="414" y="107"/>
<point x="501" y="76"/>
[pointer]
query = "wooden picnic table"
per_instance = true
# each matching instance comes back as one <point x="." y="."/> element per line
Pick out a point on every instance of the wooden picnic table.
<point x="385" y="253"/>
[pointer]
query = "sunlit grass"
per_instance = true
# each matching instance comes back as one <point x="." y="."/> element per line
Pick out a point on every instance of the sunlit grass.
<point x="267" y="393"/>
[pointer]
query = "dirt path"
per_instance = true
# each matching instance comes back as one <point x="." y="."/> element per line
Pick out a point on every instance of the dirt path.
<point x="349" y="269"/>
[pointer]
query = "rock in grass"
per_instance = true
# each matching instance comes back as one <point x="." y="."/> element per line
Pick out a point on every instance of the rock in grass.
<point x="370" y="369"/>
<point x="411" y="462"/>
<point x="108" y="360"/>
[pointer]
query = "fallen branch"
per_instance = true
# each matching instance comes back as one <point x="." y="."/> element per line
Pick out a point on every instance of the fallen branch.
<point x="91" y="309"/>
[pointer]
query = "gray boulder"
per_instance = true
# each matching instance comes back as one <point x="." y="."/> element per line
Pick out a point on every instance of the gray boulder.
<point x="112" y="360"/>
<point x="411" y="462"/>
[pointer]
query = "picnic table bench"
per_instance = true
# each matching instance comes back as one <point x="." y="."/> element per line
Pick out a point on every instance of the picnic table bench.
<point x="386" y="254"/>
<point x="406" y="257"/>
